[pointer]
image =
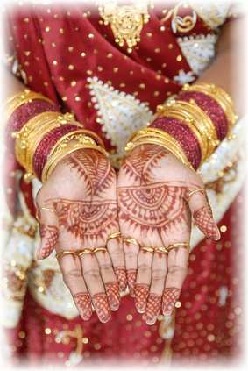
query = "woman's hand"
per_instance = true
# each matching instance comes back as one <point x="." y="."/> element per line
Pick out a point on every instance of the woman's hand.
<point x="77" y="210"/>
<point x="156" y="198"/>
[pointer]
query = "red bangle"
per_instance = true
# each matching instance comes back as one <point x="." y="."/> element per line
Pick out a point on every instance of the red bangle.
<point x="46" y="144"/>
<point x="210" y="107"/>
<point x="182" y="134"/>
<point x="27" y="111"/>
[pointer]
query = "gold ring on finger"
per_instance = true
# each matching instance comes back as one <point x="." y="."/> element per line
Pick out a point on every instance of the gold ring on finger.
<point x="60" y="254"/>
<point x="131" y="241"/>
<point x="114" y="235"/>
<point x="100" y="248"/>
<point x="85" y="251"/>
<point x="184" y="245"/>
<point x="190" y="194"/>
<point x="47" y="209"/>
<point x="147" y="248"/>
<point x="161" y="249"/>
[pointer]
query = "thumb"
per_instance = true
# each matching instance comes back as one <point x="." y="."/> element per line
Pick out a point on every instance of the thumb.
<point x="202" y="213"/>
<point x="49" y="232"/>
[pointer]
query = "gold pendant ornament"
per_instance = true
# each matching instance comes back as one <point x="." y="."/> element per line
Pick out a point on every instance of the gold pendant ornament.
<point x="125" y="21"/>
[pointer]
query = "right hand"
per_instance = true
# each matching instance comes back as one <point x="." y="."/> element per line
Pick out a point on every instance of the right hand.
<point x="77" y="210"/>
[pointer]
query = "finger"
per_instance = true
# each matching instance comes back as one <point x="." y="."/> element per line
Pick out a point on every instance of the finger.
<point x="159" y="271"/>
<point x="91" y="274"/>
<point x="49" y="232"/>
<point x="72" y="275"/>
<point x="177" y="271"/>
<point x="143" y="282"/>
<point x="202" y="214"/>
<point x="116" y="251"/>
<point x="131" y="249"/>
<point x="109" y="279"/>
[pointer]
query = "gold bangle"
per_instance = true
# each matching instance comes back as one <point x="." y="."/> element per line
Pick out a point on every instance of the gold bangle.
<point x="23" y="97"/>
<point x="201" y="137"/>
<point x="200" y="120"/>
<point x="160" y="138"/>
<point x="220" y="96"/>
<point x="33" y="131"/>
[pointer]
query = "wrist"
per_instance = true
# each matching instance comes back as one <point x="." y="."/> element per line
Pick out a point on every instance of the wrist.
<point x="190" y="125"/>
<point x="43" y="136"/>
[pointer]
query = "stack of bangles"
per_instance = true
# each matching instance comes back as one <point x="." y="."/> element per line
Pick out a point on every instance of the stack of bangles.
<point x="190" y="125"/>
<point x="43" y="136"/>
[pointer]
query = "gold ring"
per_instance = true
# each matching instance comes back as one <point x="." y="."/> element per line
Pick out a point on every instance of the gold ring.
<point x="62" y="253"/>
<point x="131" y="240"/>
<point x="113" y="235"/>
<point x="101" y="248"/>
<point x="161" y="249"/>
<point x="85" y="251"/>
<point x="185" y="245"/>
<point x="190" y="194"/>
<point x="47" y="209"/>
<point x="147" y="248"/>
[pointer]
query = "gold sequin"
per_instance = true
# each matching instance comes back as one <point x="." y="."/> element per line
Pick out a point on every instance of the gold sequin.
<point x="48" y="29"/>
<point x="48" y="331"/>
<point x="26" y="20"/>
<point x="170" y="46"/>
<point x="100" y="68"/>
<point x="61" y="30"/>
<point x="156" y="93"/>
<point x="142" y="86"/>
<point x="70" y="49"/>
<point x="64" y="99"/>
<point x="73" y="83"/>
<point x="115" y="69"/>
<point x="83" y="54"/>
<point x="129" y="317"/>
<point x="91" y="36"/>
<point x="179" y="58"/>
<point x="77" y="99"/>
<point x="89" y="72"/>
<point x="55" y="63"/>
<point x="109" y="55"/>
<point x="162" y="28"/>
<point x="157" y="50"/>
<point x="223" y="228"/>
<point x="21" y="334"/>
<point x="149" y="34"/>
<point x="54" y="45"/>
<point x="71" y="67"/>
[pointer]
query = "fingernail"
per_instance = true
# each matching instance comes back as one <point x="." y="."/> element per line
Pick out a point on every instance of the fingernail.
<point x="112" y="290"/>
<point x="169" y="298"/>
<point x="131" y="278"/>
<point x="83" y="304"/>
<point x="150" y="320"/>
<point x="141" y="293"/>
<point x="152" y="308"/>
<point x="121" y="278"/>
<point x="100" y="302"/>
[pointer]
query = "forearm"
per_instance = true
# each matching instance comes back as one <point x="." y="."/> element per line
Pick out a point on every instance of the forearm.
<point x="227" y="70"/>
<point x="40" y="134"/>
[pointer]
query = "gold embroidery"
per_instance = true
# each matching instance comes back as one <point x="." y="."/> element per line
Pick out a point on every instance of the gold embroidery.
<point x="126" y="22"/>
<point x="181" y="23"/>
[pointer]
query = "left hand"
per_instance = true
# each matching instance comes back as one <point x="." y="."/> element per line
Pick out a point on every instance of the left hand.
<point x="155" y="204"/>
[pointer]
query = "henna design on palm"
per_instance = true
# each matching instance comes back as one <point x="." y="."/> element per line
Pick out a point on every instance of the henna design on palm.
<point x="87" y="220"/>
<point x="84" y="222"/>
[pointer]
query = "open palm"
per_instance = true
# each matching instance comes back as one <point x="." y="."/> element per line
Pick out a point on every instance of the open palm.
<point x="155" y="201"/>
<point x="78" y="212"/>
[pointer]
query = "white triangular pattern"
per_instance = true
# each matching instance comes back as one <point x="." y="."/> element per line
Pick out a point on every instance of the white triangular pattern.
<point x="119" y="113"/>
<point x="198" y="51"/>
